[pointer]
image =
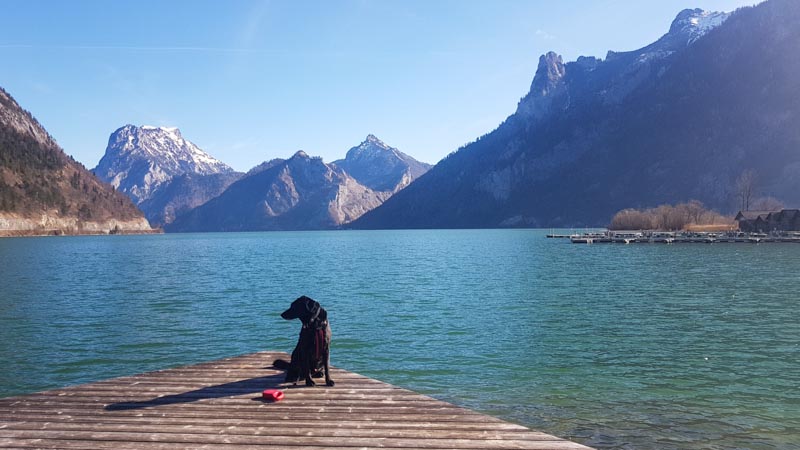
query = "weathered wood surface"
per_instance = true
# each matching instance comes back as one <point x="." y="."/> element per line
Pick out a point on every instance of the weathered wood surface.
<point x="218" y="405"/>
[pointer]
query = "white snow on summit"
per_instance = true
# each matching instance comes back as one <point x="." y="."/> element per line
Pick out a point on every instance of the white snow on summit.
<point x="708" y="20"/>
<point x="138" y="160"/>
<point x="701" y="22"/>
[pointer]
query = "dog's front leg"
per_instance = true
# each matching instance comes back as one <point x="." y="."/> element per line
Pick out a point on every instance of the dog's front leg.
<point x="327" y="355"/>
<point x="309" y="381"/>
<point x="306" y="371"/>
<point x="328" y="380"/>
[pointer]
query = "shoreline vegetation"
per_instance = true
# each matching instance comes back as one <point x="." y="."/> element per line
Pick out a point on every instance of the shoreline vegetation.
<point x="689" y="216"/>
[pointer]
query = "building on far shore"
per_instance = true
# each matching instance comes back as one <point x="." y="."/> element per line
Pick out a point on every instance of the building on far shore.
<point x="766" y="221"/>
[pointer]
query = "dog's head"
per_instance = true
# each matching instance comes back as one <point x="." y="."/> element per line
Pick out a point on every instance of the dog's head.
<point x="306" y="309"/>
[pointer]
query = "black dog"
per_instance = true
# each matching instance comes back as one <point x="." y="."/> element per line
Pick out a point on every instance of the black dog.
<point x="312" y="354"/>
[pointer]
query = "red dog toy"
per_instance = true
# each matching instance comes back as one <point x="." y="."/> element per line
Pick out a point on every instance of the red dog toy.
<point x="272" y="395"/>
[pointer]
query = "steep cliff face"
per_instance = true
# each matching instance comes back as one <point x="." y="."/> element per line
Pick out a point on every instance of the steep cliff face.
<point x="679" y="119"/>
<point x="44" y="191"/>
<point x="547" y="88"/>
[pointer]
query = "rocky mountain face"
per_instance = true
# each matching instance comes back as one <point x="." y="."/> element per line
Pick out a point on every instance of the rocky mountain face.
<point x="381" y="167"/>
<point x="183" y="193"/>
<point x="301" y="193"/>
<point x="679" y="119"/>
<point x="44" y="191"/>
<point x="304" y="193"/>
<point x="143" y="161"/>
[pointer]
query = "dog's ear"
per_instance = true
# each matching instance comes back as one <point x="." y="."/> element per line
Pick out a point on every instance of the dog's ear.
<point x="323" y="314"/>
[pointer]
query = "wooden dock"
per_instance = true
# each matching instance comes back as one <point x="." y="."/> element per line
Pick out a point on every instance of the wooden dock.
<point x="218" y="404"/>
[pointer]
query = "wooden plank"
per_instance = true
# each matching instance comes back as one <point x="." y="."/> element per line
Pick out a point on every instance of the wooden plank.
<point x="273" y="429"/>
<point x="112" y="445"/>
<point x="422" y="442"/>
<point x="204" y="414"/>
<point x="217" y="404"/>
<point x="296" y="421"/>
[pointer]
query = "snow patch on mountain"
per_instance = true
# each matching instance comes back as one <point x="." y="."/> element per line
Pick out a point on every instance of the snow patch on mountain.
<point x="695" y="23"/>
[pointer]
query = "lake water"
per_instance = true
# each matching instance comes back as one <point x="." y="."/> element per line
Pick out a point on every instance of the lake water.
<point x="614" y="346"/>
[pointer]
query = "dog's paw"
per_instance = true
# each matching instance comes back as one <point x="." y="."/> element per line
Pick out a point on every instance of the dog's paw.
<point x="310" y="382"/>
<point x="329" y="382"/>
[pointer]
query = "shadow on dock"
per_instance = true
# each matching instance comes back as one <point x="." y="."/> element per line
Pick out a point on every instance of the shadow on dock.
<point x="242" y="387"/>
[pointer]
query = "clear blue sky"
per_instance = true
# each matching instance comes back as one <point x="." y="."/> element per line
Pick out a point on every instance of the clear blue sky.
<point x="250" y="80"/>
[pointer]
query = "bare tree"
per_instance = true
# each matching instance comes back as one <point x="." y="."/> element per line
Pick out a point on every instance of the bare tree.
<point x="631" y="219"/>
<point x="668" y="217"/>
<point x="745" y="185"/>
<point x="695" y="210"/>
<point x="767" y="204"/>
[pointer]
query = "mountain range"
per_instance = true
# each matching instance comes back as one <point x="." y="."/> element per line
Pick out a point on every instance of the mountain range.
<point x="678" y="119"/>
<point x="305" y="193"/>
<point x="44" y="191"/>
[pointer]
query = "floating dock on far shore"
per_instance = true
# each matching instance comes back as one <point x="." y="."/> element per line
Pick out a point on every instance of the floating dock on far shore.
<point x="218" y="405"/>
<point x="629" y="237"/>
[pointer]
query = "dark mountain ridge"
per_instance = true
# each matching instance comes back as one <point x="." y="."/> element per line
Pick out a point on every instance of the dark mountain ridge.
<point x="676" y="120"/>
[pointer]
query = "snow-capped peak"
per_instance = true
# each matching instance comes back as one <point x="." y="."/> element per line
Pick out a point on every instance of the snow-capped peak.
<point x="379" y="166"/>
<point x="696" y="22"/>
<point x="371" y="140"/>
<point x="138" y="160"/>
<point x="372" y="147"/>
<point x="151" y="127"/>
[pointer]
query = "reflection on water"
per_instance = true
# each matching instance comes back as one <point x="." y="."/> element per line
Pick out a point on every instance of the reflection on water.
<point x="613" y="346"/>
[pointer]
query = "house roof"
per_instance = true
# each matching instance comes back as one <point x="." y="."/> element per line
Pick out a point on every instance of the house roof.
<point x="752" y="215"/>
<point x="789" y="214"/>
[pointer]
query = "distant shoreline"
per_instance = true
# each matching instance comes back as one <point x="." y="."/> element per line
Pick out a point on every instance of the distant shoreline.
<point x="56" y="233"/>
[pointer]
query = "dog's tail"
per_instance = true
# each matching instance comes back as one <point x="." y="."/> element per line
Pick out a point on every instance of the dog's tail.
<point x="281" y="364"/>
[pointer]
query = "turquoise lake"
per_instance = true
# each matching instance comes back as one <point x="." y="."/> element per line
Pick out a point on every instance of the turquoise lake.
<point x="614" y="346"/>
